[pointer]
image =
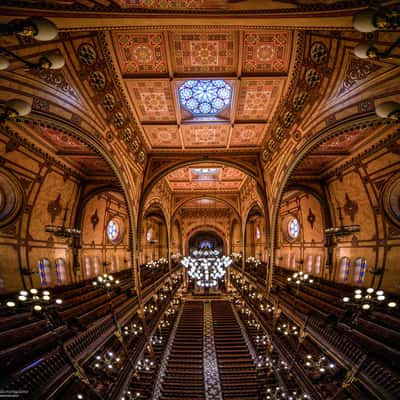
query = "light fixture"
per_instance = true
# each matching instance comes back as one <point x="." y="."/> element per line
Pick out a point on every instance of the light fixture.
<point x="389" y="109"/>
<point x="106" y="281"/>
<point x="342" y="230"/>
<point x="133" y="329"/>
<point x="47" y="61"/>
<point x="368" y="50"/>
<point x="39" y="28"/>
<point x="280" y="393"/>
<point x="369" y="299"/>
<point x="128" y="395"/>
<point x="373" y="19"/>
<point x="35" y="300"/>
<point x="14" y="108"/>
<point x="320" y="364"/>
<point x="299" y="278"/>
<point x="206" y="267"/>
<point x="144" y="365"/>
<point x="107" y="362"/>
<point x="287" y="329"/>
<point x="61" y="230"/>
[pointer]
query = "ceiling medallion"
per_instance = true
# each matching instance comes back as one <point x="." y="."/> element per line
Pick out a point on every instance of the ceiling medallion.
<point x="205" y="97"/>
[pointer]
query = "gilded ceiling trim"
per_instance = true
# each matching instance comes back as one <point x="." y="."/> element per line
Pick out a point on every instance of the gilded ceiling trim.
<point x="195" y="196"/>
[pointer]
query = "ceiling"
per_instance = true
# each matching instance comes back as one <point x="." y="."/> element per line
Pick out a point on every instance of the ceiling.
<point x="154" y="64"/>
<point x="333" y="152"/>
<point x="206" y="177"/>
<point x="72" y="151"/>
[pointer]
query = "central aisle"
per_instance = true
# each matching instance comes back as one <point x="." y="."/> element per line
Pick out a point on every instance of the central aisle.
<point x="209" y="358"/>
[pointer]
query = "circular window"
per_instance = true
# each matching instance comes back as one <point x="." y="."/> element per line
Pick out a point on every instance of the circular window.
<point x="11" y="197"/>
<point x="293" y="228"/>
<point x="391" y="200"/>
<point x="113" y="230"/>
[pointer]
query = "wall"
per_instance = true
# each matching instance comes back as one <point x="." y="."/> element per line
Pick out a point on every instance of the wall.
<point x="361" y="187"/>
<point x="302" y="252"/>
<point x="47" y="188"/>
<point x="99" y="254"/>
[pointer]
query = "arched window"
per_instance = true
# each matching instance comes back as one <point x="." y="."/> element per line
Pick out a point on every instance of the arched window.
<point x="61" y="274"/>
<point x="96" y="265"/>
<point x="360" y="267"/>
<point x="309" y="264"/>
<point x="258" y="232"/>
<point x="149" y="235"/>
<point x="344" y="269"/>
<point x="88" y="267"/>
<point x="44" y="272"/>
<point x="318" y="265"/>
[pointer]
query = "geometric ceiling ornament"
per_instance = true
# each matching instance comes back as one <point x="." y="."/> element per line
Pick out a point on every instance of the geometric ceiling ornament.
<point x="247" y="135"/>
<point x="258" y="98"/>
<point x="141" y="53"/>
<point x="153" y="99"/>
<point x="204" y="97"/>
<point x="205" y="52"/>
<point x="215" y="135"/>
<point x="266" y="52"/>
<point x="163" y="136"/>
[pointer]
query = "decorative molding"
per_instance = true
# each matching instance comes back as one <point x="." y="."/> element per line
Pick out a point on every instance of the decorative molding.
<point x="212" y="384"/>
<point x="54" y="208"/>
<point x="350" y="207"/>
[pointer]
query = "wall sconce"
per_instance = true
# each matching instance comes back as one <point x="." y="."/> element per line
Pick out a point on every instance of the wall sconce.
<point x="39" y="28"/>
<point x="389" y="109"/>
<point x="47" y="61"/>
<point x="14" y="108"/>
<point x="373" y="19"/>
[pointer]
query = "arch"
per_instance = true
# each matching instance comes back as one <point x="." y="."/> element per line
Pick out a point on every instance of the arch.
<point x="255" y="209"/>
<point x="61" y="272"/>
<point x="249" y="167"/>
<point x="44" y="270"/>
<point x="38" y="117"/>
<point x="205" y="228"/>
<point x="359" y="270"/>
<point x="344" y="269"/>
<point x="354" y="122"/>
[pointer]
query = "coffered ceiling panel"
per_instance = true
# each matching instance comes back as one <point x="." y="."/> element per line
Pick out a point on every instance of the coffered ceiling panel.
<point x="141" y="53"/>
<point x="174" y="77"/>
<point x="258" y="98"/>
<point x="266" y="52"/>
<point x="204" y="52"/>
<point x="210" y="176"/>
<point x="153" y="99"/>
<point x="205" y="135"/>
<point x="247" y="135"/>
<point x="163" y="136"/>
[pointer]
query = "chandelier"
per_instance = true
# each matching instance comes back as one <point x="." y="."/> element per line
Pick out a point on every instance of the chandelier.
<point x="206" y="267"/>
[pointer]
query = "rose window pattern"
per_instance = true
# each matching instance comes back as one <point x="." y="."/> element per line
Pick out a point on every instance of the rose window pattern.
<point x="294" y="228"/>
<point x="205" y="97"/>
<point x="112" y="230"/>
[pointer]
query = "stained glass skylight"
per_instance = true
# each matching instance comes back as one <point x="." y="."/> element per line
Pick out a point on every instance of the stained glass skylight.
<point x="205" y="97"/>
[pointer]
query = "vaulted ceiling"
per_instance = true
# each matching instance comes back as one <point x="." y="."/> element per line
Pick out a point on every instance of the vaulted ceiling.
<point x="288" y="66"/>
